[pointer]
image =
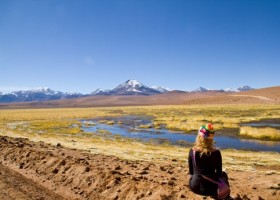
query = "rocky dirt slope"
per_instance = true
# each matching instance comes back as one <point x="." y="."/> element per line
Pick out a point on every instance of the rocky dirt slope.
<point x="32" y="170"/>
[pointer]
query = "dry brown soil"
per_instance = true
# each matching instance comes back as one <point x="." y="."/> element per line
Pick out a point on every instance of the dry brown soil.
<point x="32" y="170"/>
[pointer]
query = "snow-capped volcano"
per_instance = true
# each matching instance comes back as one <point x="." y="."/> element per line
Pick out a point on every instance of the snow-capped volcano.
<point x="133" y="87"/>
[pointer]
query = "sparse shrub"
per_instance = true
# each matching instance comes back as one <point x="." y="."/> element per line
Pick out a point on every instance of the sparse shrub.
<point x="110" y="122"/>
<point x="145" y="126"/>
<point x="157" y="126"/>
<point x="104" y="132"/>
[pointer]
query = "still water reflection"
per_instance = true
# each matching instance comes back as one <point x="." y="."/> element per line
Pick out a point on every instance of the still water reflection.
<point x="131" y="130"/>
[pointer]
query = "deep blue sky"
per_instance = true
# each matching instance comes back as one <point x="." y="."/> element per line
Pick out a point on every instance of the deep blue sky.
<point x="83" y="45"/>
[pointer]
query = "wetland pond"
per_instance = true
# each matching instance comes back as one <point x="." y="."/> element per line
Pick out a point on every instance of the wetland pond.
<point x="129" y="128"/>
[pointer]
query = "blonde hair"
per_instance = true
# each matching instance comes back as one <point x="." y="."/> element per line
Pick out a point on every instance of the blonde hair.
<point x="204" y="145"/>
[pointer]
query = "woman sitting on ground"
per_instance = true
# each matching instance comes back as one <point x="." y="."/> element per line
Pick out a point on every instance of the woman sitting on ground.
<point x="208" y="163"/>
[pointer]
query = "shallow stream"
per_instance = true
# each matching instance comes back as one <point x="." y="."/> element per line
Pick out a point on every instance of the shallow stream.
<point x="130" y="128"/>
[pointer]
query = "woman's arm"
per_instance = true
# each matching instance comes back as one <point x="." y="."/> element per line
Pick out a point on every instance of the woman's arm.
<point x="190" y="162"/>
<point x="219" y="163"/>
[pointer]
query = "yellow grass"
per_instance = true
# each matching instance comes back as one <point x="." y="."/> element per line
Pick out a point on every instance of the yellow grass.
<point x="260" y="133"/>
<point x="64" y="126"/>
<point x="184" y="118"/>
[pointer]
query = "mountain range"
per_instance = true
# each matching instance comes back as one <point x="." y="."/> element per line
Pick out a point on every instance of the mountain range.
<point x="128" y="88"/>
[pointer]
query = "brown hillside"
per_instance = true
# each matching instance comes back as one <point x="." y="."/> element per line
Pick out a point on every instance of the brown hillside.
<point x="269" y="95"/>
<point x="271" y="92"/>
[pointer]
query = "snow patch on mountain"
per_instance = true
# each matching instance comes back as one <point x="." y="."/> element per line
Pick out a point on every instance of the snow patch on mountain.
<point x="133" y="83"/>
<point x="239" y="89"/>
<point x="200" y="89"/>
<point x="244" y="88"/>
<point x="100" y="91"/>
<point x="161" y="89"/>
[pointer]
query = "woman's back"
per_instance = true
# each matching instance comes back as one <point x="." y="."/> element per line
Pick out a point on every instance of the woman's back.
<point x="206" y="164"/>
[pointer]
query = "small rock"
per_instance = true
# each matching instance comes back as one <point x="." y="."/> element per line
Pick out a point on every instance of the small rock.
<point x="118" y="167"/>
<point x="270" y="173"/>
<point x="170" y="172"/>
<point x="162" y="168"/>
<point x="115" y="172"/>
<point x="236" y="197"/>
<point x="63" y="162"/>
<point x="87" y="169"/>
<point x="118" y="179"/>
<point x="143" y="172"/>
<point x="275" y="187"/>
<point x="141" y="196"/>
<point x="149" y="193"/>
<point x="4" y="140"/>
<point x="135" y="178"/>
<point x="127" y="173"/>
<point x="21" y="165"/>
<point x="146" y="168"/>
<point x="245" y="197"/>
<point x="20" y="145"/>
<point x="171" y="183"/>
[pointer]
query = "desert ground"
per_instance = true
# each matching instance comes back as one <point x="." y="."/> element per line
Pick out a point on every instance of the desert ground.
<point x="63" y="166"/>
<point x="41" y="170"/>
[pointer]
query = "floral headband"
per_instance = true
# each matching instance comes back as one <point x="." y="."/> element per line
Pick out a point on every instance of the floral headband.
<point x="206" y="130"/>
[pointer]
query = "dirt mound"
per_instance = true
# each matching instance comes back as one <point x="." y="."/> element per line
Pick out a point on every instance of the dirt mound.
<point x="73" y="174"/>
